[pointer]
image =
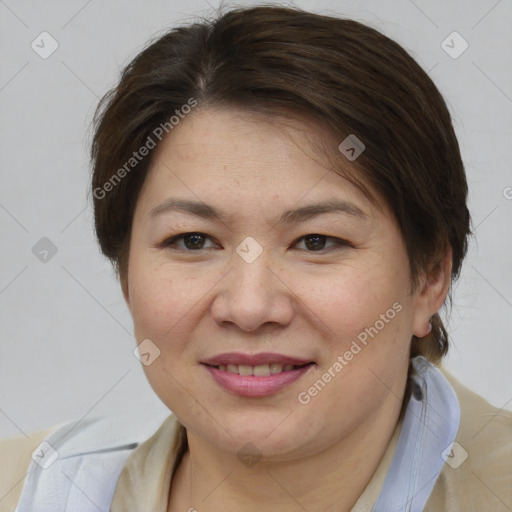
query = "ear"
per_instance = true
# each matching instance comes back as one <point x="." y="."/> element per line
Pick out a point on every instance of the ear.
<point x="431" y="294"/>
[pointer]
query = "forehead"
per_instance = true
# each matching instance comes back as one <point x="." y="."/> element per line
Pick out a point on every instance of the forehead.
<point x="223" y="152"/>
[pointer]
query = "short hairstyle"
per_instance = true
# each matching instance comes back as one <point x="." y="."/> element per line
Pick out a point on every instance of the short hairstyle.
<point x="344" y="76"/>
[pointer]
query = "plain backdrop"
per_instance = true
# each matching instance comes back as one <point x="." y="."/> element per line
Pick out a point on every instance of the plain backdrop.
<point x="66" y="349"/>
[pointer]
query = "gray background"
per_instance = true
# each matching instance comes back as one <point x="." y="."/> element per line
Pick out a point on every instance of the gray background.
<point x="66" y="334"/>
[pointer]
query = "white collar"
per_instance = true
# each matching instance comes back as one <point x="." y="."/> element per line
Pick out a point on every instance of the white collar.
<point x="430" y="425"/>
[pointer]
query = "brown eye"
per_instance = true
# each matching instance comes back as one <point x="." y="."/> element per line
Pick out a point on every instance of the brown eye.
<point x="315" y="242"/>
<point x="191" y="241"/>
<point x="194" y="241"/>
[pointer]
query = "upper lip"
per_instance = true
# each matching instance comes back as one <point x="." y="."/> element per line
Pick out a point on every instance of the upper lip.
<point x="238" y="358"/>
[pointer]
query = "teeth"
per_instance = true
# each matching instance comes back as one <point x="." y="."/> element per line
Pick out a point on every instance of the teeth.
<point x="244" y="369"/>
<point x="262" y="370"/>
<point x="276" y="368"/>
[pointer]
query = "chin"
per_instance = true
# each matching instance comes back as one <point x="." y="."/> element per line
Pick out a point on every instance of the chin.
<point x="269" y="434"/>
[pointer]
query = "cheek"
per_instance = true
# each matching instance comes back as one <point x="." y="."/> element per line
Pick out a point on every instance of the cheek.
<point x="164" y="304"/>
<point x="157" y="317"/>
<point x="162" y="308"/>
<point x="350" y="300"/>
<point x="156" y="303"/>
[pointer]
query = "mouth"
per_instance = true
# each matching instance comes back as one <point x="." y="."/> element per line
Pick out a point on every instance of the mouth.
<point x="261" y="370"/>
<point x="256" y="375"/>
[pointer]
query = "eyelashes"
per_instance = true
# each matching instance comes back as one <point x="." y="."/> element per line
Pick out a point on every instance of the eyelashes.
<point x="315" y="238"/>
<point x="194" y="242"/>
<point x="194" y="236"/>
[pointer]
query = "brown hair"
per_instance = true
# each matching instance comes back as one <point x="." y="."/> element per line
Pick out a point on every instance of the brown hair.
<point x="343" y="75"/>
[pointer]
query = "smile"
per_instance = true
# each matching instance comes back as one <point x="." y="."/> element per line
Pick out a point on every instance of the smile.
<point x="262" y="370"/>
<point x="256" y="375"/>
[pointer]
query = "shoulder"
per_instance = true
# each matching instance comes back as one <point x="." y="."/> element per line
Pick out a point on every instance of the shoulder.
<point x="478" y="468"/>
<point x="15" y="458"/>
<point x="97" y="446"/>
<point x="150" y="465"/>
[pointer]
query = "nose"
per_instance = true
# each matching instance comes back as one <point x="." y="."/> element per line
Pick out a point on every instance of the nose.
<point x="253" y="295"/>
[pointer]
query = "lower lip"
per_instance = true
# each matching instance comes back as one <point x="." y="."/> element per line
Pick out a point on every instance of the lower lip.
<point x="249" y="385"/>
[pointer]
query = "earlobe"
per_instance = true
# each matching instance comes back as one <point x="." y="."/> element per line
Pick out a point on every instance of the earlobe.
<point x="432" y="295"/>
<point x="422" y="326"/>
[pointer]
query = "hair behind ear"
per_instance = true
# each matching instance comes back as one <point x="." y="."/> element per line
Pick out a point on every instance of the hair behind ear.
<point x="434" y="345"/>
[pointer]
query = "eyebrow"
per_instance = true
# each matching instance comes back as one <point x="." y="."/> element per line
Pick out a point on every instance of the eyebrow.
<point x="296" y="215"/>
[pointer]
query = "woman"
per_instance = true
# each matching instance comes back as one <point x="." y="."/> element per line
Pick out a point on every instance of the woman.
<point x="283" y="198"/>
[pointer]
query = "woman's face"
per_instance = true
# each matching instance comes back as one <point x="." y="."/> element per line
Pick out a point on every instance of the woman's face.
<point x="272" y="272"/>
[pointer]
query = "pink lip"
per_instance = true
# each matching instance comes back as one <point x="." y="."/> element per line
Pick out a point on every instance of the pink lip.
<point x="252" y="386"/>
<point x="254" y="359"/>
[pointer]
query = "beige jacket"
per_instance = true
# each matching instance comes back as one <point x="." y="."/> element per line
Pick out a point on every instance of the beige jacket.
<point x="476" y="478"/>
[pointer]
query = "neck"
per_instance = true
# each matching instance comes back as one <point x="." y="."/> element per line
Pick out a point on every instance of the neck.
<point x="331" y="480"/>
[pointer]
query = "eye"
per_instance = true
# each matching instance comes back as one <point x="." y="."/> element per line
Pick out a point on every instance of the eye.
<point x="191" y="241"/>
<point x="195" y="241"/>
<point x="316" y="243"/>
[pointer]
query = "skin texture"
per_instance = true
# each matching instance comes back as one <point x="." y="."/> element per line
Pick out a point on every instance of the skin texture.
<point x="294" y="300"/>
